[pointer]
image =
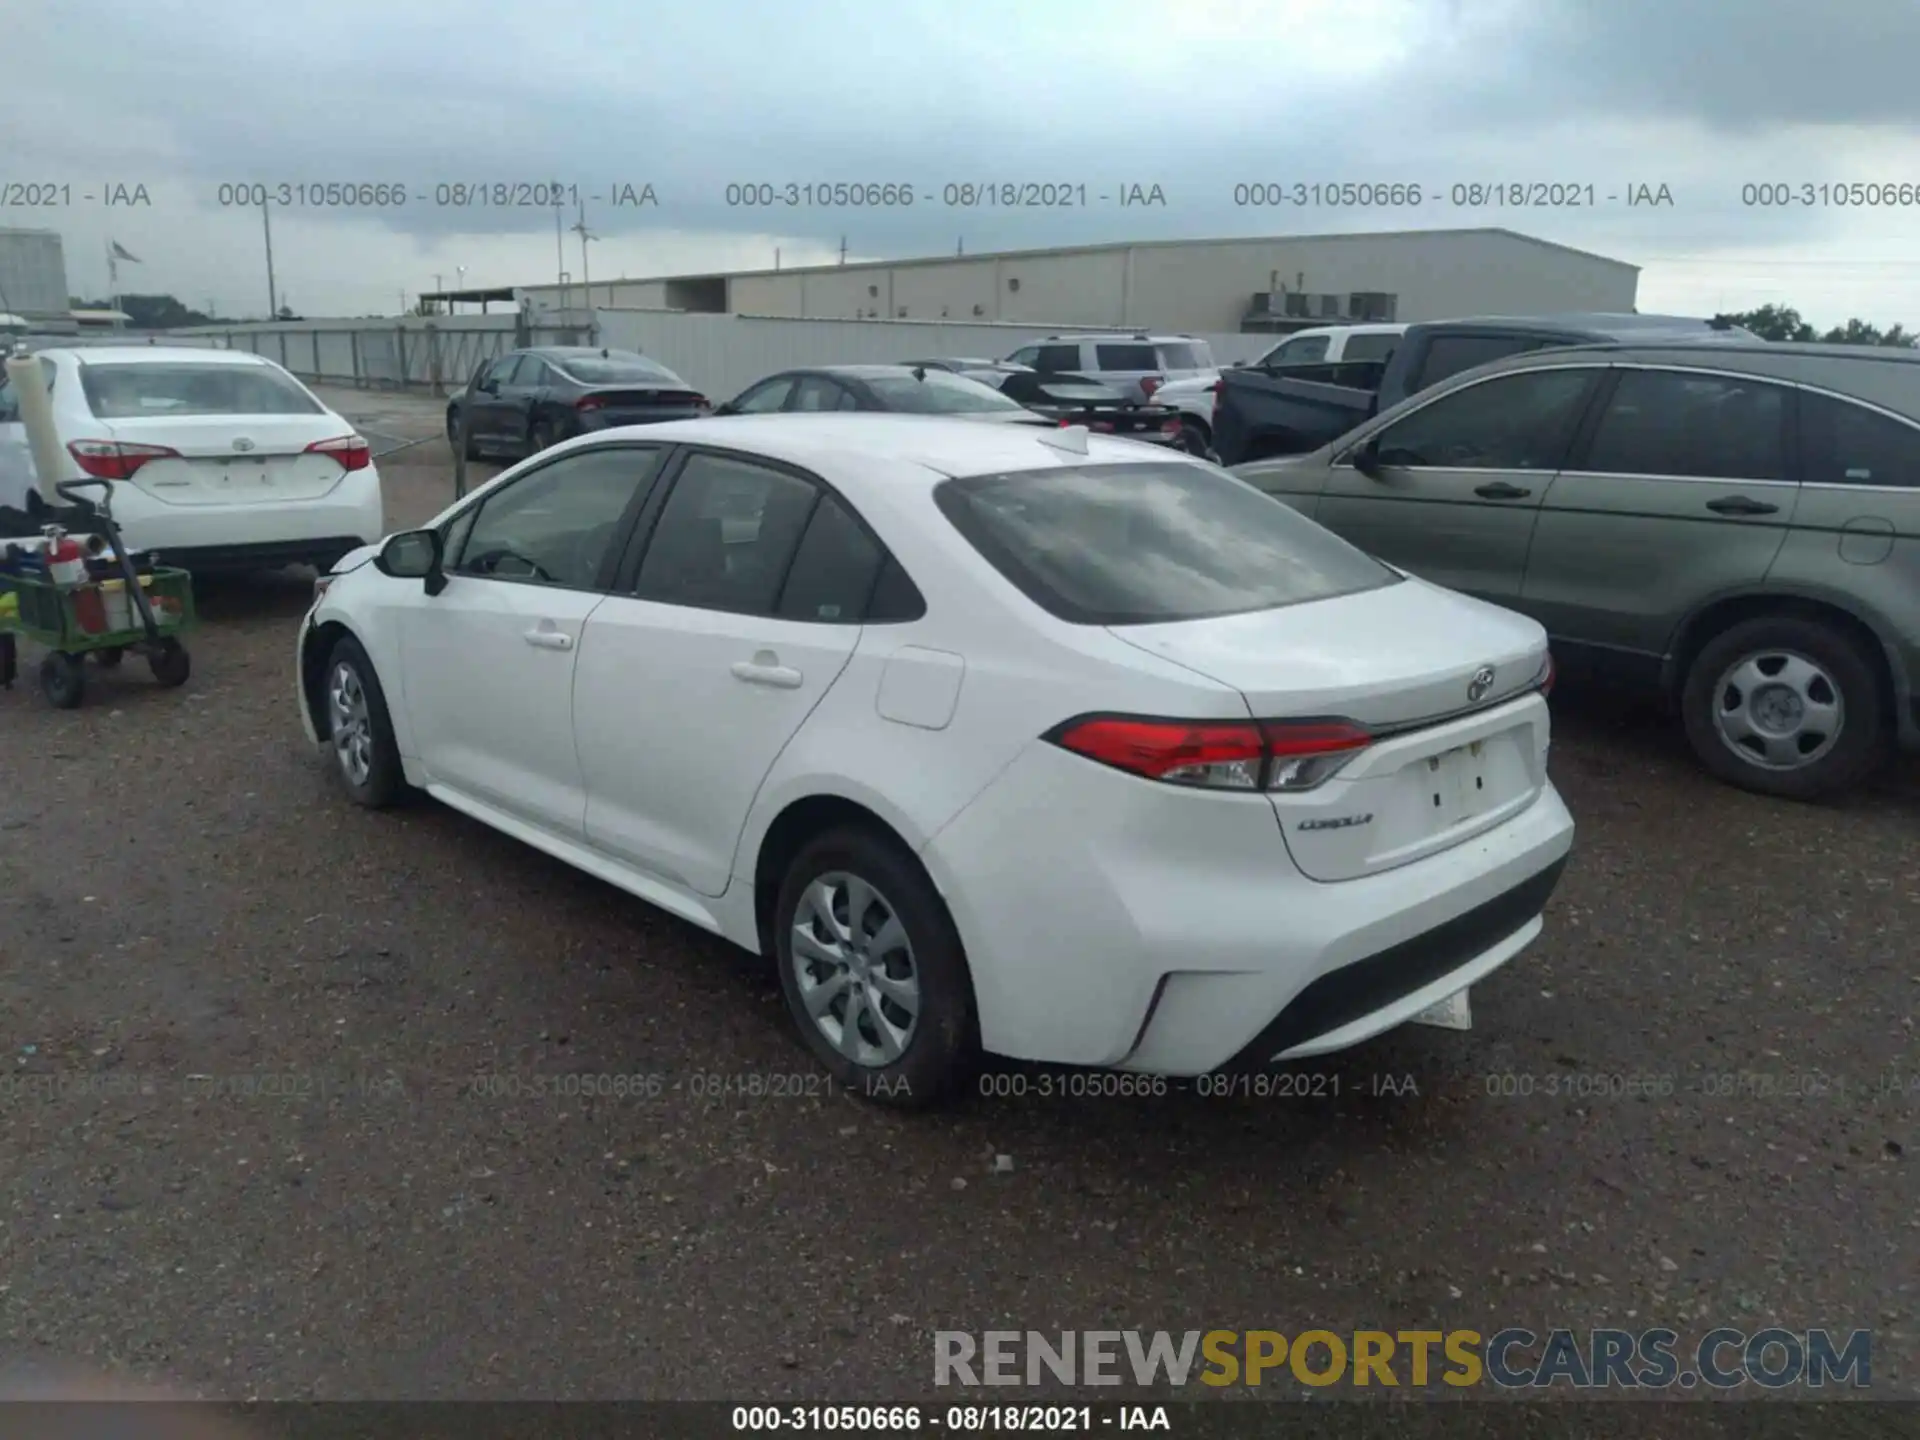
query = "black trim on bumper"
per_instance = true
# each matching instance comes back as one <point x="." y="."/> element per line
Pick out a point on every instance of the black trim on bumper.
<point x="1342" y="996"/>
<point x="266" y="555"/>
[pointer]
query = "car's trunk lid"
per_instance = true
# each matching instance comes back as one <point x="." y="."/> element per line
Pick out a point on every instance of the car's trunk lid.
<point x="643" y="404"/>
<point x="232" y="459"/>
<point x="1447" y="685"/>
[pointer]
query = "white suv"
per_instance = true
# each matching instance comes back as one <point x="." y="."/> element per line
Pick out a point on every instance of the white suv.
<point x="1136" y="365"/>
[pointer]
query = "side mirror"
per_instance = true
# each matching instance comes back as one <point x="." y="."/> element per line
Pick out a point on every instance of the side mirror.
<point x="1367" y="460"/>
<point x="413" y="555"/>
<point x="726" y="409"/>
<point x="1239" y="365"/>
<point x="486" y="387"/>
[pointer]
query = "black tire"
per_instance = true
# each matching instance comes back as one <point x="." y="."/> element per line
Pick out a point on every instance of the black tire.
<point x="942" y="1046"/>
<point x="540" y="436"/>
<point x="453" y="433"/>
<point x="170" y="663"/>
<point x="383" y="782"/>
<point x="63" y="680"/>
<point x="1194" y="438"/>
<point x="1862" y="743"/>
<point x="109" y="657"/>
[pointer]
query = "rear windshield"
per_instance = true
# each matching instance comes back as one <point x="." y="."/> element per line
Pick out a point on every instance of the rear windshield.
<point x="129" y="392"/>
<point x="618" y="370"/>
<point x="1369" y="347"/>
<point x="1138" y="544"/>
<point x="940" y="392"/>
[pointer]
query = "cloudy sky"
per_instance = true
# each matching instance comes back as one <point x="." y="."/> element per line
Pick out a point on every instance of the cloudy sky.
<point x="1703" y="97"/>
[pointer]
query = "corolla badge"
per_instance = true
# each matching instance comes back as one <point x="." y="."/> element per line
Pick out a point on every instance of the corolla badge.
<point x="1481" y="683"/>
<point x="243" y="445"/>
<point x="1338" y="822"/>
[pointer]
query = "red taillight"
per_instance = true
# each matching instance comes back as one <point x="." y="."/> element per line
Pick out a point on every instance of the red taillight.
<point x="1151" y="383"/>
<point x="1287" y="755"/>
<point x="590" y="402"/>
<point x="1219" y="389"/>
<point x="1169" y="427"/>
<point x="350" y="450"/>
<point x="116" y="459"/>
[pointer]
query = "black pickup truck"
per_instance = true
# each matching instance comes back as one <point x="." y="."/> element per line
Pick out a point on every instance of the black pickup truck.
<point x="1288" y="410"/>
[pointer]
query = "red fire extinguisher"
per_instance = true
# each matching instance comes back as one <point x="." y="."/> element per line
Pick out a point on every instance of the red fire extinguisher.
<point x="67" y="567"/>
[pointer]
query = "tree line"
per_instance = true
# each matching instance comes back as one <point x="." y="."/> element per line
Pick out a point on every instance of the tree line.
<point x="1781" y="322"/>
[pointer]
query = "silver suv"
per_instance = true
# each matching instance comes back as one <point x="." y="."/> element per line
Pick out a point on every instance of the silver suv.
<point x="1135" y="365"/>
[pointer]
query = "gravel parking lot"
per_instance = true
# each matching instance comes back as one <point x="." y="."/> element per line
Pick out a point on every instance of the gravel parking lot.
<point x="184" y="893"/>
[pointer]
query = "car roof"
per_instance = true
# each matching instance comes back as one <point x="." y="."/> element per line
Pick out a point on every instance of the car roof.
<point x="887" y="449"/>
<point x="860" y="372"/>
<point x="1371" y="327"/>
<point x="1597" y="324"/>
<point x="1134" y="338"/>
<point x="169" y="354"/>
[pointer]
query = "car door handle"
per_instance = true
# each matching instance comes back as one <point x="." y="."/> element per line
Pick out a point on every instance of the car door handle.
<point x="1500" y="490"/>
<point x="765" y="669"/>
<point x="1741" y="505"/>
<point x="549" y="639"/>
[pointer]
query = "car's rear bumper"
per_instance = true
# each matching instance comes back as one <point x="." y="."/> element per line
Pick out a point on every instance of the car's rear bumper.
<point x="278" y="533"/>
<point x="1112" y="922"/>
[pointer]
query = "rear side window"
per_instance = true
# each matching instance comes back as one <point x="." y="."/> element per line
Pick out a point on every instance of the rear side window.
<point x="1184" y="357"/>
<point x="1057" y="357"/>
<point x="165" y="388"/>
<point x="726" y="536"/>
<point x="1448" y="355"/>
<point x="833" y="571"/>
<point x="1669" y="422"/>
<point x="1141" y="544"/>
<point x="1300" y="352"/>
<point x="1846" y="444"/>
<point x="1125" y="357"/>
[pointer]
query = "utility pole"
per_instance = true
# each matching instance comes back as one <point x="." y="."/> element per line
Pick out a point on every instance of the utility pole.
<point x="843" y="249"/>
<point x="580" y="229"/>
<point x="266" y="228"/>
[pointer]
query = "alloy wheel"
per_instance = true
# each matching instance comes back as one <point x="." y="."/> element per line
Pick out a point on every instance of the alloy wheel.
<point x="350" y="723"/>
<point x="1778" y="710"/>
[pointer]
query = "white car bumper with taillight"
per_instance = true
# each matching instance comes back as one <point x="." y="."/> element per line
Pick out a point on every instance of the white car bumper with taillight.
<point x="353" y="510"/>
<point x="1113" y="921"/>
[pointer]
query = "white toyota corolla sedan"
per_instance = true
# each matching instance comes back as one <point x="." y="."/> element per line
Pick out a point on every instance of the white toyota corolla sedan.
<point x="1028" y="741"/>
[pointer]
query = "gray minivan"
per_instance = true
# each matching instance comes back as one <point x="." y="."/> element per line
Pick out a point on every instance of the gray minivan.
<point x="1736" y="525"/>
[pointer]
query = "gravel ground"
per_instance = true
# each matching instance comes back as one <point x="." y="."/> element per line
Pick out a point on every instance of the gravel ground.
<point x="184" y="893"/>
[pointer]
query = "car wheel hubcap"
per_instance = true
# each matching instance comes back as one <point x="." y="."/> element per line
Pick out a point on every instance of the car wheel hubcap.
<point x="350" y="723"/>
<point x="1778" y="710"/>
<point x="855" y="970"/>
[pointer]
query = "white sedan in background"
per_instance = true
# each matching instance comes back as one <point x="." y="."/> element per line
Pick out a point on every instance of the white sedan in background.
<point x="221" y="458"/>
<point x="1029" y="741"/>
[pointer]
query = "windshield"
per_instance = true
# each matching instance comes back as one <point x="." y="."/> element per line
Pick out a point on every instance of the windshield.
<point x="940" y="393"/>
<point x="617" y="370"/>
<point x="1140" y="544"/>
<point x="171" y="387"/>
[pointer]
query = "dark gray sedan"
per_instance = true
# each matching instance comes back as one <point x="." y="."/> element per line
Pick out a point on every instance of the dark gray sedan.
<point x="530" y="399"/>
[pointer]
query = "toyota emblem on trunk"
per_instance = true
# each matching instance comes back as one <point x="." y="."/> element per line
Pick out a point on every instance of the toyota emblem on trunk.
<point x="1481" y="683"/>
<point x="243" y="445"/>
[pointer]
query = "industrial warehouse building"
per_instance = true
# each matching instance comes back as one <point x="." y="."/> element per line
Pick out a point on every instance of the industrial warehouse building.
<point x="1270" y="284"/>
<point x="33" y="277"/>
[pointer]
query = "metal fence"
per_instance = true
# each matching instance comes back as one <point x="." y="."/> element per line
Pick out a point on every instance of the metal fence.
<point x="436" y="355"/>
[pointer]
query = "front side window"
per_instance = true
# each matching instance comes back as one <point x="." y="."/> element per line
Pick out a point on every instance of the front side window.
<point x="1671" y="422"/>
<point x="144" y="390"/>
<point x="1846" y="444"/>
<point x="1515" y="422"/>
<point x="1139" y="544"/>
<point x="726" y="536"/>
<point x="556" y="525"/>
<point x="502" y="371"/>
